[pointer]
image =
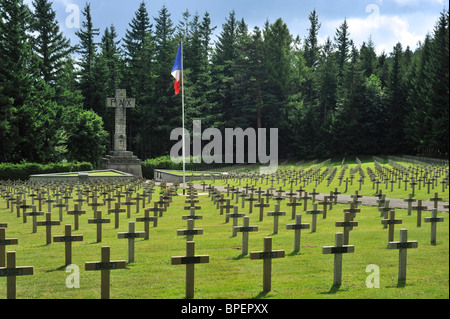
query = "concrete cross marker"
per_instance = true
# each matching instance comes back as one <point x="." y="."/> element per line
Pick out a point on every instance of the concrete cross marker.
<point x="137" y="199"/>
<point x="276" y="214"/>
<point x="313" y="195"/>
<point x="348" y="224"/>
<point x="403" y="245"/>
<point x="80" y="200"/>
<point x="117" y="210"/>
<point x="419" y="208"/>
<point x="34" y="215"/>
<point x="146" y="220"/>
<point x="294" y="204"/>
<point x="49" y="202"/>
<point x="235" y="215"/>
<point x="108" y="200"/>
<point x="94" y="204"/>
<point x="261" y="207"/>
<point x="305" y="199"/>
<point x="409" y="200"/>
<point x="191" y="215"/>
<point x="17" y="202"/>
<point x="413" y="183"/>
<point x="105" y="266"/>
<point x="190" y="232"/>
<point x="436" y="199"/>
<point x="267" y="255"/>
<point x="24" y="206"/>
<point x="325" y="203"/>
<point x="11" y="272"/>
<point x="245" y="229"/>
<point x="267" y="195"/>
<point x="336" y="193"/>
<point x="338" y="249"/>
<point x="352" y="210"/>
<point x="99" y="221"/>
<point x="131" y="236"/>
<point x="190" y="260"/>
<point x="433" y="220"/>
<point x="68" y="239"/>
<point x="60" y="205"/>
<point x="3" y="243"/>
<point x="314" y="212"/>
<point x="39" y="199"/>
<point x="250" y="205"/>
<point x="48" y="226"/>
<point x="129" y="203"/>
<point x="156" y="210"/>
<point x="76" y="212"/>
<point x="297" y="227"/>
<point x="384" y="211"/>
<point x="391" y="222"/>
<point x="220" y="202"/>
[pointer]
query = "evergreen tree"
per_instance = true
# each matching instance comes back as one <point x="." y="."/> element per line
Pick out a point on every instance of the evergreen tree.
<point x="139" y="49"/>
<point x="108" y="69"/>
<point x="135" y="40"/>
<point x="418" y="98"/>
<point x="198" y="82"/>
<point x="311" y="54"/>
<point x="368" y="58"/>
<point x="16" y="76"/>
<point x="343" y="45"/>
<point x="88" y="48"/>
<point x="327" y="82"/>
<point x="224" y="55"/>
<point x="279" y="82"/>
<point x="51" y="47"/>
<point x="311" y="42"/>
<point x="346" y="122"/>
<point x="395" y="103"/>
<point x="439" y="95"/>
<point x="165" y="102"/>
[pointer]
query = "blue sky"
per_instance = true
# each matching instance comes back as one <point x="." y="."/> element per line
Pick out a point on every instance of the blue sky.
<point x="386" y="21"/>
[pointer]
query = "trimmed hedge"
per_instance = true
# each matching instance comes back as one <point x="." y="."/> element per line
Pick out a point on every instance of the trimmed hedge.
<point x="23" y="171"/>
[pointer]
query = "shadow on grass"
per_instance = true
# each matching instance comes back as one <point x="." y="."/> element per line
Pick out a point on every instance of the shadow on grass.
<point x="261" y="295"/>
<point x="333" y="290"/>
<point x="295" y="253"/>
<point x="61" y="268"/>
<point x="400" y="284"/>
<point x="239" y="257"/>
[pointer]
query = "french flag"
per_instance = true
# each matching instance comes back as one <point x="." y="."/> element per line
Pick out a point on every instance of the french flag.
<point x="177" y="69"/>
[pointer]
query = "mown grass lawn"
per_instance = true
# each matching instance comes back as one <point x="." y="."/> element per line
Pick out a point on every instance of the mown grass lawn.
<point x="229" y="275"/>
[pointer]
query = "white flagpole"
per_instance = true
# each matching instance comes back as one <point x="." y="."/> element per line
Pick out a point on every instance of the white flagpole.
<point x="182" y="103"/>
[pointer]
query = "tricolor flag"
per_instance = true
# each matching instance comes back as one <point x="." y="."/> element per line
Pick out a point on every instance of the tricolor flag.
<point x="177" y="69"/>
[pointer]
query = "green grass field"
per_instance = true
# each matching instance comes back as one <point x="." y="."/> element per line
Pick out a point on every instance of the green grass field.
<point x="229" y="275"/>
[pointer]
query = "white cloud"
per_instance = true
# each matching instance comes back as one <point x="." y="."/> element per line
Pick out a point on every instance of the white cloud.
<point x="386" y="31"/>
<point x="408" y="3"/>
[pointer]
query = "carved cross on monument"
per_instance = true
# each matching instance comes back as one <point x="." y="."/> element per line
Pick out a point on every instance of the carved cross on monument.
<point x="120" y="103"/>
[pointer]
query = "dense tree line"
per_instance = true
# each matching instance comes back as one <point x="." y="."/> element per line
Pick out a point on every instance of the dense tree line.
<point x="328" y="99"/>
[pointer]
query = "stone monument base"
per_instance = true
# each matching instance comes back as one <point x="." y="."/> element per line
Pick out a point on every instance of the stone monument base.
<point x="123" y="161"/>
